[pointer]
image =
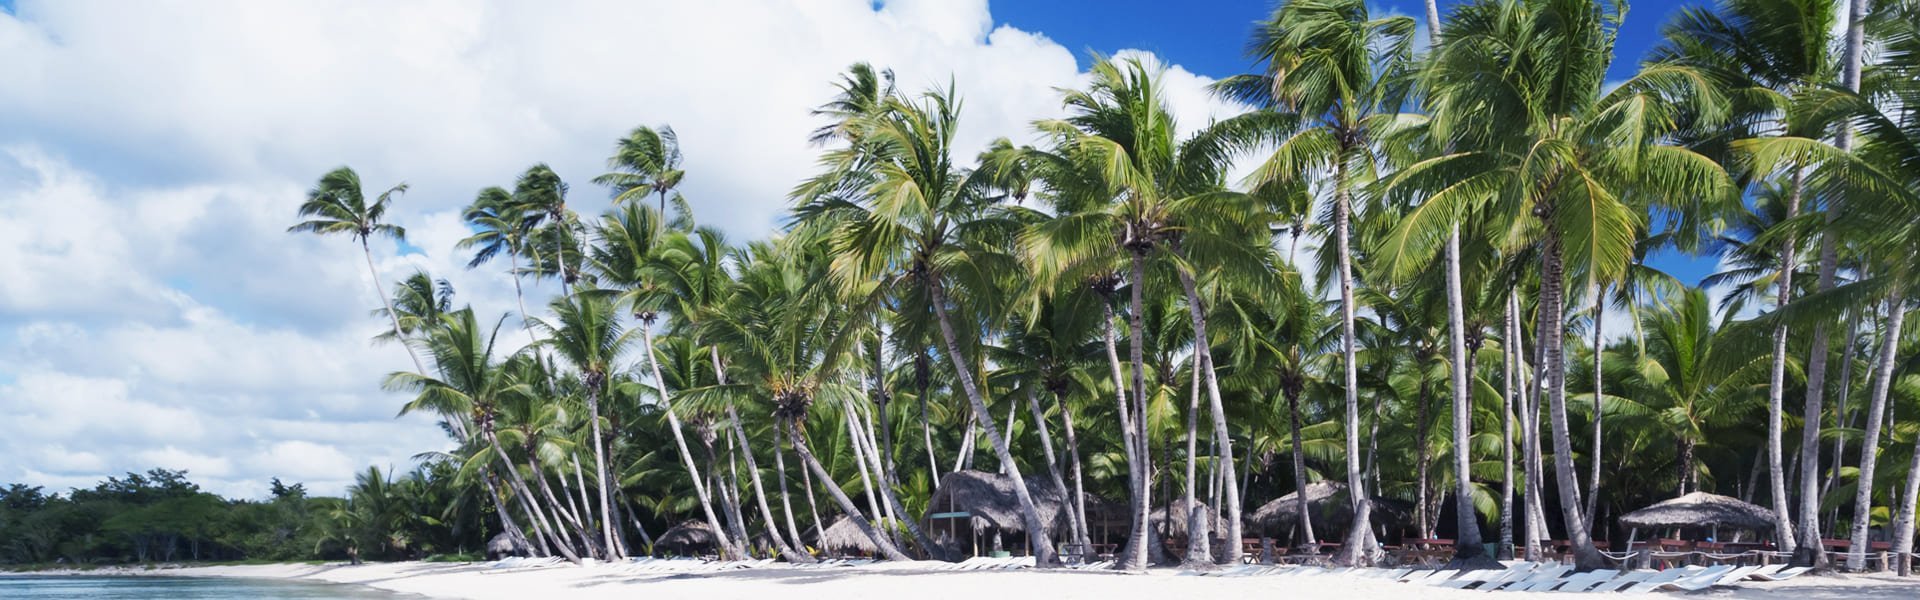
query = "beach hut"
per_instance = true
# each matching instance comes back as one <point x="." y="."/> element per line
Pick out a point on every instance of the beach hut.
<point x="843" y="538"/>
<point x="689" y="538"/>
<point x="1329" y="508"/>
<point x="973" y="508"/>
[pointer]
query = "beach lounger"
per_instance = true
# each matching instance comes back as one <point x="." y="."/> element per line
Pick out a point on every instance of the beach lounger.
<point x="1577" y="582"/>
<point x="1780" y="575"/>
<point x="1737" y="574"/>
<point x="1436" y="577"/>
<point x="1705" y="579"/>
<point x="1627" y="579"/>
<point x="1544" y="575"/>
<point x="1485" y="576"/>
<point x="1670" y="577"/>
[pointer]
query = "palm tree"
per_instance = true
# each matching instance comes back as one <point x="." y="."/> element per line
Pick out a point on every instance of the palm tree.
<point x="421" y="300"/>
<point x="542" y="195"/>
<point x="336" y="205"/>
<point x="1694" y="381"/>
<point x="908" y="211"/>
<point x="1336" y="67"/>
<point x="500" y="225"/>
<point x="1769" y="50"/>
<point x="1517" y="91"/>
<point x="647" y="161"/>
<point x="472" y="384"/>
<point x="629" y="257"/>
<point x="588" y="335"/>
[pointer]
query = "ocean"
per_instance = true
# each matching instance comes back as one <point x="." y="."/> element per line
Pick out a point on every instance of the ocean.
<point x="31" y="587"/>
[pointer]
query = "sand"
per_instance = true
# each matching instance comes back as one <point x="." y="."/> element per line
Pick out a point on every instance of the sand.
<point x="915" y="581"/>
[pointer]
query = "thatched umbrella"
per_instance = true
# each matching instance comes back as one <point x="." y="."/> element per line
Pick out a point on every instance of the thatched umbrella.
<point x="1177" y="527"/>
<point x="1701" y="510"/>
<point x="1327" y="502"/>
<point x="844" y="537"/>
<point x="689" y="537"/>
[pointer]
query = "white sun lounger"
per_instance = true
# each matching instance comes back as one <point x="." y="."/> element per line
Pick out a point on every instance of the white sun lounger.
<point x="1546" y="575"/>
<point x="1780" y="575"/>
<point x="1737" y="574"/>
<point x="1476" y="577"/>
<point x="1689" y="579"/>
<point x="1629" y="578"/>
<point x="1577" y="582"/>
<point x="1435" y="577"/>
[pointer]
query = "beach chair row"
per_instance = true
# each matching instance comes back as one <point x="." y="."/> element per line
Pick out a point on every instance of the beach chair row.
<point x="1541" y="577"/>
<point x="522" y="563"/>
<point x="689" y="565"/>
<point x="989" y="563"/>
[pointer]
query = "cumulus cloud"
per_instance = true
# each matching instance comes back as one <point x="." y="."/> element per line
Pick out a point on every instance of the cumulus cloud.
<point x="154" y="313"/>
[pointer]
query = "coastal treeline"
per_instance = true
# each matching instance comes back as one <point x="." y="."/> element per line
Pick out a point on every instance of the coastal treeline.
<point x="1436" y="287"/>
<point x="161" y="516"/>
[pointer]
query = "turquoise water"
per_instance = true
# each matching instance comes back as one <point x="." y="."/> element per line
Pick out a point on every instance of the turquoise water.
<point x="177" y="588"/>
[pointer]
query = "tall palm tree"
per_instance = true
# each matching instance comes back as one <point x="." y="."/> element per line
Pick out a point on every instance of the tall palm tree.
<point x="1517" y="91"/>
<point x="421" y="300"/>
<point x="1768" y="50"/>
<point x="588" y="335"/>
<point x="645" y="162"/>
<point x="629" y="257"/>
<point x="907" y="210"/>
<point x="1338" y="68"/>
<point x="500" y="225"/>
<point x="336" y="205"/>
<point x="542" y="195"/>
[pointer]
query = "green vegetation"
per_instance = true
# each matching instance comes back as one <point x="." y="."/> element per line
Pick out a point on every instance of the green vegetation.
<point x="162" y="517"/>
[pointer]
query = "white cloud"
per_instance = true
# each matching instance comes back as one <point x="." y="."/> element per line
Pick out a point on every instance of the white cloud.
<point x="152" y="309"/>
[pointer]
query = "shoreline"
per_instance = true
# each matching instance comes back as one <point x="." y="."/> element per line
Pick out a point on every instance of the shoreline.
<point x="914" y="580"/>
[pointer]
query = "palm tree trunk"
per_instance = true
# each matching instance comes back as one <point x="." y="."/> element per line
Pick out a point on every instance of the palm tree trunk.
<point x="1903" y="521"/>
<point x="1870" y="445"/>
<point x="1777" y="384"/>
<point x="1133" y="556"/>
<point x="728" y="547"/>
<point x="1073" y="454"/>
<point x="1529" y="435"/>
<point x="1196" y="310"/>
<point x="1507" y="389"/>
<point x="1686" y="464"/>
<point x="1037" y="531"/>
<point x="1553" y="342"/>
<point x="600" y="469"/>
<point x="846" y="504"/>
<point x="507" y="524"/>
<point x="1599" y="404"/>
<point x="1199" y="552"/>
<point x="894" y="509"/>
<point x="1360" y="546"/>
<point x="759" y="492"/>
<point x="1292" y="389"/>
<point x="860" y="461"/>
<point x="380" y="289"/>
<point x="562" y="516"/>
<point x="581" y="481"/>
<point x="1840" y="417"/>
<point x="527" y="498"/>
<point x="1423" y="460"/>
<point x="926" y="427"/>
<point x="1139" y="539"/>
<point x="786" y="503"/>
<point x="1076" y="527"/>
<point x="1467" y="545"/>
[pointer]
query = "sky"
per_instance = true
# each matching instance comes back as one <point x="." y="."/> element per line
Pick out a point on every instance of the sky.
<point x="154" y="313"/>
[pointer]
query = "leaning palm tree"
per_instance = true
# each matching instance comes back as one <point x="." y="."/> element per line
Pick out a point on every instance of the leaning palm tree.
<point x="588" y="334"/>
<point x="336" y="205"/>
<point x="645" y="162"/>
<point x="500" y="225"/>
<point x="905" y="210"/>
<point x="421" y="300"/>
<point x="1336" y="67"/>
<point x="472" y="384"/>
<point x="1517" y="92"/>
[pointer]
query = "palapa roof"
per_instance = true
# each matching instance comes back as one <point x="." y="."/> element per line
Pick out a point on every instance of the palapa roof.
<point x="1701" y="509"/>
<point x="690" y="535"/>
<point x="1327" y="500"/>
<point x="844" y="536"/>
<point x="1157" y="520"/>
<point x="990" y="500"/>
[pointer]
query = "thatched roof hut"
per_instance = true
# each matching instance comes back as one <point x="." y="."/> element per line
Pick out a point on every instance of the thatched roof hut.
<point x="1702" y="510"/>
<point x="689" y="537"/>
<point x="988" y="501"/>
<point x="1178" y="526"/>
<point x="844" y="537"/>
<point x="1328" y="503"/>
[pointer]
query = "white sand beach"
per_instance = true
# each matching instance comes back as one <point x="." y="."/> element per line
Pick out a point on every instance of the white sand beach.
<point x="918" y="581"/>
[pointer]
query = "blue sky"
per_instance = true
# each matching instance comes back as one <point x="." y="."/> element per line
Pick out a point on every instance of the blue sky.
<point x="1207" y="37"/>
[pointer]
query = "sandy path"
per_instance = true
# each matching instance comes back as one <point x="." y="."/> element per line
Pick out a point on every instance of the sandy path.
<point x="915" y="582"/>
